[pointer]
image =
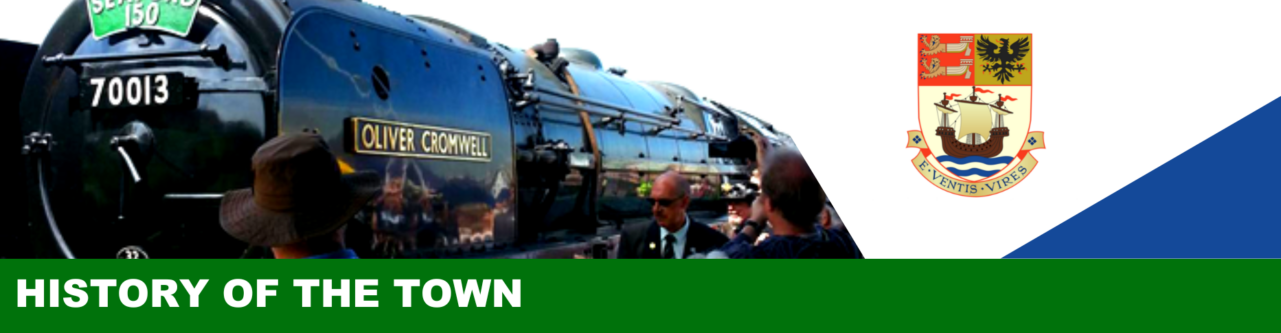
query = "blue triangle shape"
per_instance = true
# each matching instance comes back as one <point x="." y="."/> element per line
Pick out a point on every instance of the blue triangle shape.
<point x="1220" y="199"/>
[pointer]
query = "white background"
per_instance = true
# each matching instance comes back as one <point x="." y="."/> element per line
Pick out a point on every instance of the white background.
<point x="1119" y="88"/>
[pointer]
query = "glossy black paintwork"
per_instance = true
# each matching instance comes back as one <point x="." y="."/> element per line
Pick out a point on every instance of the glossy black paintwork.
<point x="314" y="64"/>
<point x="427" y="203"/>
<point x="632" y="157"/>
<point x="200" y="148"/>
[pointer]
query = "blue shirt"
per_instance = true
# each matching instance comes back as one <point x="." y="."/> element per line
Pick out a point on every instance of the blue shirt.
<point x="821" y="244"/>
<point x="342" y="254"/>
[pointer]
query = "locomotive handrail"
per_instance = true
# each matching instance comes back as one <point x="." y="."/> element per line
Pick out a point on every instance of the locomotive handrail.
<point x="566" y="108"/>
<point x="218" y="54"/>
<point x="619" y="115"/>
<point x="48" y="212"/>
<point x="604" y="105"/>
<point x="133" y="171"/>
<point x="194" y="196"/>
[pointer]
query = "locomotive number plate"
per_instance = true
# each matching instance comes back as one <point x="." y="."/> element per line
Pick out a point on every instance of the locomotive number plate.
<point x="137" y="91"/>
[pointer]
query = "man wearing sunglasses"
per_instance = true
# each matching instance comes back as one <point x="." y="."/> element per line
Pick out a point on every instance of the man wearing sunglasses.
<point x="673" y="235"/>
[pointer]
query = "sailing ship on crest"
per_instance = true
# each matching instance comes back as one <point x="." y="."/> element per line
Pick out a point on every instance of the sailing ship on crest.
<point x="979" y="134"/>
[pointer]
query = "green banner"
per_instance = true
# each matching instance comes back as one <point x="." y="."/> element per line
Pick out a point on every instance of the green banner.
<point x="652" y="295"/>
<point x="109" y="17"/>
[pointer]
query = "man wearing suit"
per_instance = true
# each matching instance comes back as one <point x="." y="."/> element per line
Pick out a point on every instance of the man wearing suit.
<point x="673" y="235"/>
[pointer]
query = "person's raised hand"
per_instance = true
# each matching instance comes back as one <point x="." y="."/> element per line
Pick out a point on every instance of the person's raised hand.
<point x="762" y="149"/>
<point x="759" y="214"/>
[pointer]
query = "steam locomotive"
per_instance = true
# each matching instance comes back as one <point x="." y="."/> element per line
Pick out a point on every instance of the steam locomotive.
<point x="130" y="140"/>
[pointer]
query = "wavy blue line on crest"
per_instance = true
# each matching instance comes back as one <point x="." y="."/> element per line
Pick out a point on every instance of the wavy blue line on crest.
<point x="971" y="172"/>
<point x="972" y="159"/>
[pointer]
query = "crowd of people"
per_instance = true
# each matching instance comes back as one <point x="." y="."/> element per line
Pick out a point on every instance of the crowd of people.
<point x="292" y="208"/>
<point x="789" y="218"/>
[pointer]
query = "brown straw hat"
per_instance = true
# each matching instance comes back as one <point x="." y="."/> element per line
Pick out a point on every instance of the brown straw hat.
<point x="298" y="193"/>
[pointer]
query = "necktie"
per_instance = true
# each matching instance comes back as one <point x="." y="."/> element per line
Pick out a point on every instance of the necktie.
<point x="669" y="249"/>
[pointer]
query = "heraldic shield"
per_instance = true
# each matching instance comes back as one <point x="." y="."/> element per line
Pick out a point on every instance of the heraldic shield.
<point x="974" y="97"/>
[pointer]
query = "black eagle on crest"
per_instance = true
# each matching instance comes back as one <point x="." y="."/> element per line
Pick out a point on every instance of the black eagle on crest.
<point x="1004" y="56"/>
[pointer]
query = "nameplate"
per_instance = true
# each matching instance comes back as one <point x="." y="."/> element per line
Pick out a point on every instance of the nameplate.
<point x="365" y="136"/>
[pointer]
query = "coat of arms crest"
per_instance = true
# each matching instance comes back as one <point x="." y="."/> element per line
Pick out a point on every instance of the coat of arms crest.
<point x="975" y="92"/>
